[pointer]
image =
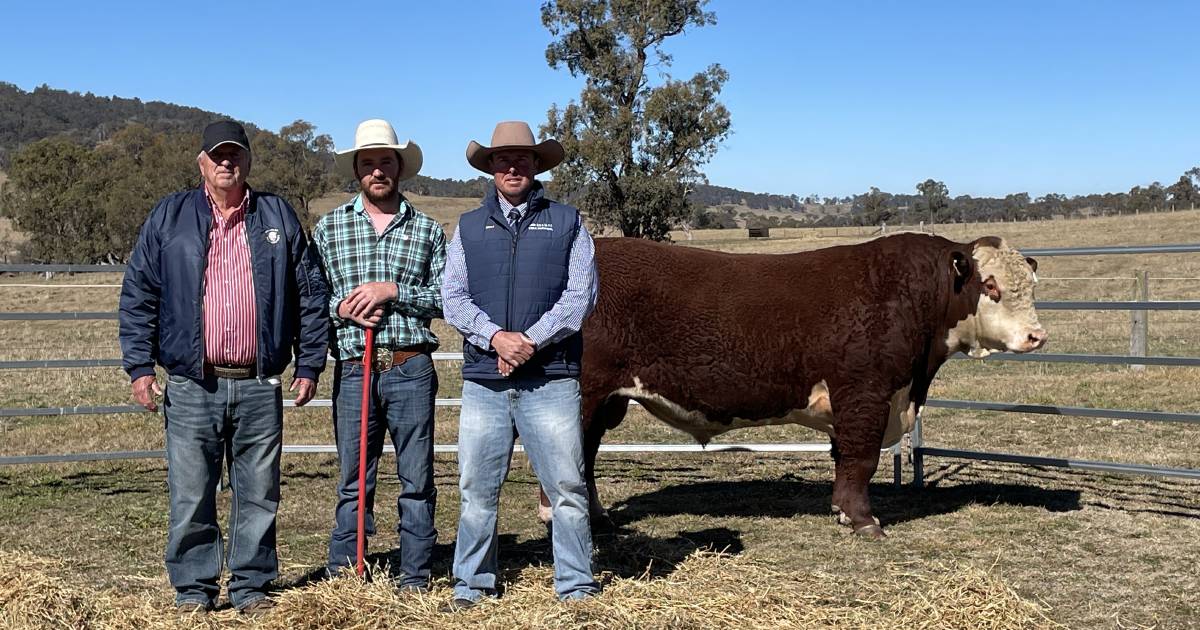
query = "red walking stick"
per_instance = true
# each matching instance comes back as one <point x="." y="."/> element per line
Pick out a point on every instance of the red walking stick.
<point x="368" y="363"/>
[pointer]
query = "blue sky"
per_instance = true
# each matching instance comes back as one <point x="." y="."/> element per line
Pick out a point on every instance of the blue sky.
<point x="826" y="97"/>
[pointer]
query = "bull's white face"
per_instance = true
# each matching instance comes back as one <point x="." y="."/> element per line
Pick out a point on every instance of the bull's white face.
<point x="1006" y="319"/>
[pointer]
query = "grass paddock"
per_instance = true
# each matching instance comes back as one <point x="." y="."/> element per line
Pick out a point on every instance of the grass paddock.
<point x="701" y="539"/>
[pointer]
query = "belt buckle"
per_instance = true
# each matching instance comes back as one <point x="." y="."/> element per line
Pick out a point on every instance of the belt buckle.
<point x="382" y="361"/>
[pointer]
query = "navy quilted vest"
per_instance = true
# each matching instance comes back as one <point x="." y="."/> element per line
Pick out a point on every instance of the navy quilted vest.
<point x="516" y="276"/>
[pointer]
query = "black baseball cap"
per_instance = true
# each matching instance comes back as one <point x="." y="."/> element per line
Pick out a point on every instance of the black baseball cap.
<point x="222" y="132"/>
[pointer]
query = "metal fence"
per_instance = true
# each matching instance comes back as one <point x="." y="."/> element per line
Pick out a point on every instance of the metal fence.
<point x="918" y="449"/>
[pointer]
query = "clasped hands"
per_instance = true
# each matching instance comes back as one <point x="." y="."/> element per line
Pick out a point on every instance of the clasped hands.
<point x="364" y="305"/>
<point x="514" y="349"/>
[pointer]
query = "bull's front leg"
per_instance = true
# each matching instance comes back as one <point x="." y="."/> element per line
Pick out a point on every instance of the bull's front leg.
<point x="592" y="436"/>
<point x="545" y="513"/>
<point x="859" y="436"/>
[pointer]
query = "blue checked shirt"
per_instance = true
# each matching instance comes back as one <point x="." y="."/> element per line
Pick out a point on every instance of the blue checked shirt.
<point x="411" y="252"/>
<point x="564" y="319"/>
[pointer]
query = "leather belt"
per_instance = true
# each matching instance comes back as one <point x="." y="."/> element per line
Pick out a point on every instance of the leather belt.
<point x="230" y="371"/>
<point x="387" y="358"/>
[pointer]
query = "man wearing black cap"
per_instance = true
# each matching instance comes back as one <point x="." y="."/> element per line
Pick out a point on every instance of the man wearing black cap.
<point x="220" y="289"/>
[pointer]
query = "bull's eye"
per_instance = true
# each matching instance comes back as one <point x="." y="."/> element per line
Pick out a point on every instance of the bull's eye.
<point x="992" y="289"/>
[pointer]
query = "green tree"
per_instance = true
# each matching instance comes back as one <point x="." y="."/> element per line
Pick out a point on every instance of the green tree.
<point x="81" y="205"/>
<point x="52" y="194"/>
<point x="296" y="164"/>
<point x="1015" y="206"/>
<point x="876" y="208"/>
<point x="633" y="151"/>
<point x="139" y="167"/>
<point x="937" y="198"/>
<point x="1194" y="175"/>
<point x="1049" y="205"/>
<point x="1184" y="193"/>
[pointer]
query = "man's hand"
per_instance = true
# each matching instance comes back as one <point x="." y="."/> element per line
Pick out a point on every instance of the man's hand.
<point x="365" y="298"/>
<point x="513" y="347"/>
<point x="504" y="367"/>
<point x="370" y="320"/>
<point x="304" y="388"/>
<point x="145" y="388"/>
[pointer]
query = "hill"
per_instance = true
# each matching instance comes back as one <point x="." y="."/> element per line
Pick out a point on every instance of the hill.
<point x="86" y="118"/>
<point x="90" y="119"/>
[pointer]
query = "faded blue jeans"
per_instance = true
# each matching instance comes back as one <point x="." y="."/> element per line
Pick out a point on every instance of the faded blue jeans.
<point x="402" y="404"/>
<point x="206" y="422"/>
<point x="546" y="414"/>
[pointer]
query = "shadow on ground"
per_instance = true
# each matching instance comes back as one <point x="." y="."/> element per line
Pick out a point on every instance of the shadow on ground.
<point x="790" y="496"/>
<point x="620" y="552"/>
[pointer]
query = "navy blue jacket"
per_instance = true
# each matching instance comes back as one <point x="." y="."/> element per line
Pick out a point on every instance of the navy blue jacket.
<point x="162" y="297"/>
<point x="515" y="276"/>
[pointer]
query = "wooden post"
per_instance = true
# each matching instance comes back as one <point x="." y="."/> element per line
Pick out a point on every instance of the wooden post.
<point x="1139" y="320"/>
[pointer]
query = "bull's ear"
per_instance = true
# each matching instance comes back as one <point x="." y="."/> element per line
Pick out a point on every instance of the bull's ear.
<point x="1032" y="264"/>
<point x="963" y="269"/>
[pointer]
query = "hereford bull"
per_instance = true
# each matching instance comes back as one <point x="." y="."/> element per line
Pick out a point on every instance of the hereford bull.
<point x="845" y="340"/>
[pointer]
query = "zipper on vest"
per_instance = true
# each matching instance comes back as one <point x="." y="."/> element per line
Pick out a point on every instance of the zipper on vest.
<point x="512" y="278"/>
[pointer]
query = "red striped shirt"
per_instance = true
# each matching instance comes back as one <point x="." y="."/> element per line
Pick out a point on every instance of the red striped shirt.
<point x="229" y="317"/>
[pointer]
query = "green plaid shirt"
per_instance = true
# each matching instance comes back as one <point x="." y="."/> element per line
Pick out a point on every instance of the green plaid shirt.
<point x="411" y="252"/>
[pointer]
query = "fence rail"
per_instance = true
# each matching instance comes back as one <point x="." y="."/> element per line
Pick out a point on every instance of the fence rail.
<point x="1098" y="359"/>
<point x="919" y="450"/>
<point x="437" y="448"/>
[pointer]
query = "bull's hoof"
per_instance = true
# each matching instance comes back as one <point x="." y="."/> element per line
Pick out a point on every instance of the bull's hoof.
<point x="842" y="519"/>
<point x="872" y="531"/>
<point x="602" y="523"/>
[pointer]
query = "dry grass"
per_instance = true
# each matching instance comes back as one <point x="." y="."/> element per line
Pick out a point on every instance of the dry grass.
<point x="706" y="590"/>
<point x="1093" y="550"/>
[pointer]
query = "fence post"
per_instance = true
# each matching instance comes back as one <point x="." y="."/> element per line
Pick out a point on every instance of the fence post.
<point x="897" y="466"/>
<point x="918" y="458"/>
<point x="1139" y="320"/>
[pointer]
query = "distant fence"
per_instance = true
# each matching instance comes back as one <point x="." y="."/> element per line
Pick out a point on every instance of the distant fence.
<point x="918" y="449"/>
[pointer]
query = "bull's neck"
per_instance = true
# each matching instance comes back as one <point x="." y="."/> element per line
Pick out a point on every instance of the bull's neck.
<point x="964" y="337"/>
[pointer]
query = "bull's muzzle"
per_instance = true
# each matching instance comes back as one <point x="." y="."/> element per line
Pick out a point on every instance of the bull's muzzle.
<point x="1034" y="340"/>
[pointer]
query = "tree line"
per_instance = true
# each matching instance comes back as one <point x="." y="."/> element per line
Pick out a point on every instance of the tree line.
<point x="86" y="118"/>
<point x="84" y="203"/>
<point x="933" y="204"/>
<point x="83" y="170"/>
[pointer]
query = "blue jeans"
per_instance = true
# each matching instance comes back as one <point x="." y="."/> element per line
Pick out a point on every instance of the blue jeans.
<point x="207" y="421"/>
<point x="402" y="403"/>
<point x="546" y="414"/>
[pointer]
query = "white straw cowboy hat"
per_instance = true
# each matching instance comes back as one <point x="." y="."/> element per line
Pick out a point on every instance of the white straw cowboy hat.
<point x="514" y="134"/>
<point x="378" y="134"/>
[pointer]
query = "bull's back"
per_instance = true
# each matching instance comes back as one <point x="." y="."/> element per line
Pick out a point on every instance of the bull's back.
<point x="749" y="335"/>
<point x="667" y="289"/>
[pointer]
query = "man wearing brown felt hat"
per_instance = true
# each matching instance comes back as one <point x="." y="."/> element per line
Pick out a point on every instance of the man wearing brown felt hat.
<point x="520" y="279"/>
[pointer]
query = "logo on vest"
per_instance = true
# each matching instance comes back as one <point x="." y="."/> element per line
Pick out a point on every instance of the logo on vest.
<point x="272" y="236"/>
<point x="548" y="227"/>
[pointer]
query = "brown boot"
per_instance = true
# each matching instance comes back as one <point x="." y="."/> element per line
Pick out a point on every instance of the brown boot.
<point x="257" y="607"/>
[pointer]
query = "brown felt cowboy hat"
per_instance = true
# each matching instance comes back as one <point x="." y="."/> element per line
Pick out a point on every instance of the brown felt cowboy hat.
<point x="514" y="134"/>
<point x="378" y="134"/>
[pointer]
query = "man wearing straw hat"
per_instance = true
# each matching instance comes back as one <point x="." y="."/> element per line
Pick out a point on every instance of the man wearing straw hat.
<point x="220" y="289"/>
<point x="384" y="262"/>
<point x="520" y="279"/>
